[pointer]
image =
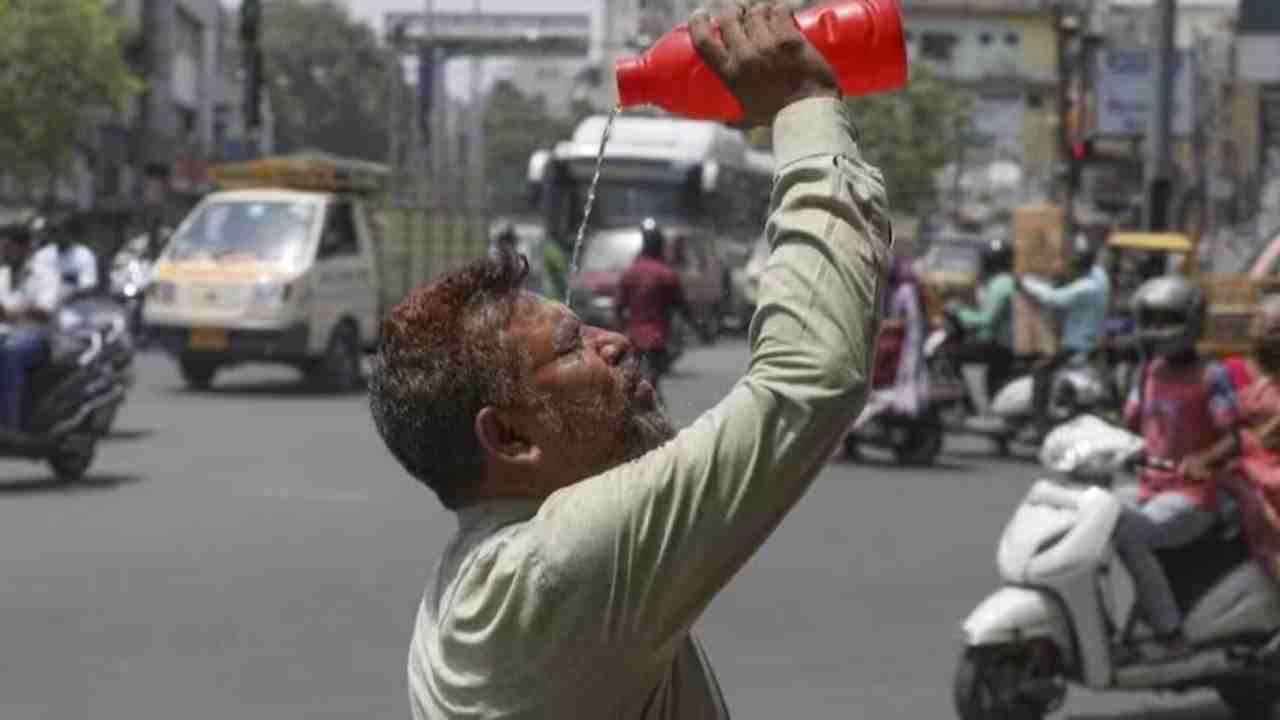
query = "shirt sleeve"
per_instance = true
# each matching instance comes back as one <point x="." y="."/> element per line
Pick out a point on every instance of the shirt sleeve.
<point x="636" y="554"/>
<point x="1060" y="297"/>
<point x="1132" y="415"/>
<point x="997" y="295"/>
<point x="1223" y="405"/>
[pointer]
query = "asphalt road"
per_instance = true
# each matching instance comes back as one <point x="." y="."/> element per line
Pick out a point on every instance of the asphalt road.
<point x="253" y="552"/>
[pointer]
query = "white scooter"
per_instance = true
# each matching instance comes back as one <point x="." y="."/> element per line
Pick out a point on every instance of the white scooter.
<point x="965" y="410"/>
<point x="1058" y="620"/>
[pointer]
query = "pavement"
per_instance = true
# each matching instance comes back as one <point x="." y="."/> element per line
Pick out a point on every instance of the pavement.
<point x="254" y="553"/>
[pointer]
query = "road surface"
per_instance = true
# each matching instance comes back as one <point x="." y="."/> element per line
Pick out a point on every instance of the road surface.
<point x="253" y="552"/>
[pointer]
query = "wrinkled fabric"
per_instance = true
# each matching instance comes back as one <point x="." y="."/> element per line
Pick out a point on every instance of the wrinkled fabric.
<point x="582" y="606"/>
<point x="1254" y="479"/>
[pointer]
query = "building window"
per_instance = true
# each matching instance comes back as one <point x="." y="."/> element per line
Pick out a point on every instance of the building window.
<point x="985" y="39"/>
<point x="939" y="47"/>
<point x="1011" y="39"/>
<point x="1035" y="101"/>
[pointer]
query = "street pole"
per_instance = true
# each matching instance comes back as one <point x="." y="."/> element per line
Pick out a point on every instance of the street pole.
<point x="1159" y="145"/>
<point x="1064" y="37"/>
<point x="477" y="131"/>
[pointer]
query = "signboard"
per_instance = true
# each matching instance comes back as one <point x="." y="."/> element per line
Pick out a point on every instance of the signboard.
<point x="1126" y="89"/>
<point x="508" y="33"/>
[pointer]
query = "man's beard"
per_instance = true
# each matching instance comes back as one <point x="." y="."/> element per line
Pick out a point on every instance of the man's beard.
<point x="640" y="428"/>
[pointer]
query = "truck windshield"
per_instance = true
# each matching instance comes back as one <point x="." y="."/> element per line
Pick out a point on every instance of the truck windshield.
<point x="266" y="231"/>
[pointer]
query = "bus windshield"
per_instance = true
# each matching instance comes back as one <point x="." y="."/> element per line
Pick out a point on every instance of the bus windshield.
<point x="238" y="229"/>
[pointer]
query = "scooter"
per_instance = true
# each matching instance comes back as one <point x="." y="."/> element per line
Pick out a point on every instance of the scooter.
<point x="1058" y="620"/>
<point x="71" y="400"/>
<point x="130" y="278"/>
<point x="1075" y="390"/>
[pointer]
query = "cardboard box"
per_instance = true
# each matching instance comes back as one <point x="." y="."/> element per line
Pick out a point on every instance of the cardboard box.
<point x="1039" y="246"/>
<point x="1035" y="329"/>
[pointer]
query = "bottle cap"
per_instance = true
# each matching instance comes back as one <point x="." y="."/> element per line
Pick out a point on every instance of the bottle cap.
<point x="633" y="81"/>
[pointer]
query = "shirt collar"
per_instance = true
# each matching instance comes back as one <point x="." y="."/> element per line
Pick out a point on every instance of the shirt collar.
<point x="496" y="513"/>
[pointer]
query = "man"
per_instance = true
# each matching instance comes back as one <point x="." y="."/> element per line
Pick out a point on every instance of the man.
<point x="508" y="241"/>
<point x="591" y="537"/>
<point x="26" y="307"/>
<point x="1083" y="303"/>
<point x="650" y="292"/>
<point x="991" y="322"/>
<point x="1183" y="407"/>
<point x="74" y="263"/>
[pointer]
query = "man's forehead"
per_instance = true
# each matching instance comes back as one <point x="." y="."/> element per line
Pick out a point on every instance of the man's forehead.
<point x="535" y="314"/>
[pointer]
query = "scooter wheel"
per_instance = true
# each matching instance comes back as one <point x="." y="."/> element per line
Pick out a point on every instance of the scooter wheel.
<point x="984" y="687"/>
<point x="1249" y="700"/>
<point x="923" y="443"/>
<point x="852" y="452"/>
<point x="70" y="464"/>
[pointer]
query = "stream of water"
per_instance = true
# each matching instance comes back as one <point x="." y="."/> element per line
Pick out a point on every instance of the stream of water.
<point x="586" y="213"/>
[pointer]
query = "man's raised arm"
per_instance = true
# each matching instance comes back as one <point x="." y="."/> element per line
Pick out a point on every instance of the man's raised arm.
<point x="638" y="552"/>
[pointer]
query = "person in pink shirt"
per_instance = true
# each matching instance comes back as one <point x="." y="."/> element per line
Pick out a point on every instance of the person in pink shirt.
<point x="1183" y="407"/>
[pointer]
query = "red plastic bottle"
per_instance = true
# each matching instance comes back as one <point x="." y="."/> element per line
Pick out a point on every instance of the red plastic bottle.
<point x="861" y="39"/>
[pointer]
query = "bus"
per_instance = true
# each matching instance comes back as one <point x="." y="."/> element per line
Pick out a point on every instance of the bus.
<point x="701" y="177"/>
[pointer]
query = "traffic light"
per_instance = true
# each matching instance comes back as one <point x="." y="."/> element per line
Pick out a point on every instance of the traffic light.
<point x="250" y="29"/>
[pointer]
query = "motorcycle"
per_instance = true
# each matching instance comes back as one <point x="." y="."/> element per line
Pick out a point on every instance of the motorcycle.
<point x="1058" y="621"/>
<point x="71" y="401"/>
<point x="130" y="278"/>
<point x="1075" y="390"/>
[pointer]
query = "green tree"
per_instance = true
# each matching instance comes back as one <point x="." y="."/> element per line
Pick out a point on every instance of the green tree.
<point x="62" y="63"/>
<point x="327" y="78"/>
<point x="911" y="134"/>
<point x="515" y="126"/>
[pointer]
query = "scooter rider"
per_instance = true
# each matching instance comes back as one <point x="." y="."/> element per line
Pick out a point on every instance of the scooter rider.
<point x="26" y="308"/>
<point x="75" y="264"/>
<point x="1083" y="303"/>
<point x="991" y="322"/>
<point x="1182" y="406"/>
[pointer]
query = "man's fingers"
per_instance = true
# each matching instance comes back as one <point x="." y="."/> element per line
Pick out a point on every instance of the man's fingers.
<point x="782" y="22"/>
<point x="706" y="40"/>
<point x="735" y="38"/>
<point x="757" y="26"/>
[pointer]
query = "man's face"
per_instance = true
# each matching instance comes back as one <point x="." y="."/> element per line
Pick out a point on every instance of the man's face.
<point x="598" y="411"/>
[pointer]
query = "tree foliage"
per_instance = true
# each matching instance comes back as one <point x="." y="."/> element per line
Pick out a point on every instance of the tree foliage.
<point x="61" y="62"/>
<point x="911" y="134"/>
<point x="516" y="125"/>
<point x="327" y="78"/>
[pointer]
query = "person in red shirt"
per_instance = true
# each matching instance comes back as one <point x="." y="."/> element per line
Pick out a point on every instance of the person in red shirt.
<point x="650" y="293"/>
<point x="1182" y="406"/>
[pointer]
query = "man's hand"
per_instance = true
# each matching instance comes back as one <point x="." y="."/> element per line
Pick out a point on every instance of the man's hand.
<point x="760" y="55"/>
<point x="1196" y="468"/>
<point x="1269" y="434"/>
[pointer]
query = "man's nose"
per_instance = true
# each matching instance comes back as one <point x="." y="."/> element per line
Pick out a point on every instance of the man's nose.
<point x="613" y="347"/>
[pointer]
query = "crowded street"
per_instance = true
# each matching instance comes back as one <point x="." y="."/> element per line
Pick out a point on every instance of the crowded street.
<point x="254" y="552"/>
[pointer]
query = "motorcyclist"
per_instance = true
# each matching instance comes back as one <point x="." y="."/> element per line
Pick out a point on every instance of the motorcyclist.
<point x="1083" y="304"/>
<point x="650" y="293"/>
<point x="991" y="322"/>
<point x="27" y="306"/>
<point x="1182" y="406"/>
<point x="75" y="264"/>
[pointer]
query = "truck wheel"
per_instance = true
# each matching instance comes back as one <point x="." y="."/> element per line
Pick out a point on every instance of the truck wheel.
<point x="197" y="372"/>
<point x="339" y="370"/>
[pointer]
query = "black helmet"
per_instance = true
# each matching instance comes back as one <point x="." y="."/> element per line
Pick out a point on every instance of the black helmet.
<point x="507" y="234"/>
<point x="997" y="255"/>
<point x="1170" y="314"/>
<point x="1083" y="251"/>
<point x="652" y="238"/>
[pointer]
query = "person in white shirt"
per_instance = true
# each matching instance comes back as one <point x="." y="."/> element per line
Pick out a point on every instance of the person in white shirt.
<point x="75" y="264"/>
<point x="26" y="307"/>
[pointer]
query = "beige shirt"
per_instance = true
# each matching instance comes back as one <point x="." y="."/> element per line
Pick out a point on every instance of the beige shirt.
<point x="582" y="606"/>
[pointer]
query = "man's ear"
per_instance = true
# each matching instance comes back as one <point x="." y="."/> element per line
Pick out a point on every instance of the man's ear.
<point x="501" y="443"/>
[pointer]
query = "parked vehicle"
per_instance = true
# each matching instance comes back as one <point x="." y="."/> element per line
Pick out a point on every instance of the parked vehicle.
<point x="72" y="400"/>
<point x="1057" y="620"/>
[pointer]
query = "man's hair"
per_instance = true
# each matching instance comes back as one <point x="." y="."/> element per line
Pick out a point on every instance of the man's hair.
<point x="441" y="359"/>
